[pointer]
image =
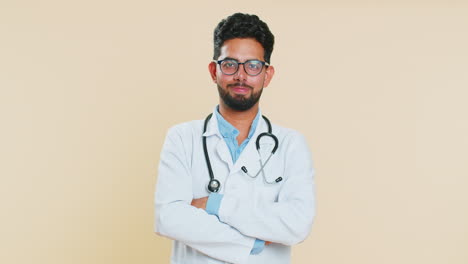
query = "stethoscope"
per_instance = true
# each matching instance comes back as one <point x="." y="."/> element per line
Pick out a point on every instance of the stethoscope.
<point x="214" y="185"/>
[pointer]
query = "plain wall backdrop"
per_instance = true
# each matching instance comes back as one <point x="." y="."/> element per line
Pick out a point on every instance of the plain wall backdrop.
<point x="88" y="90"/>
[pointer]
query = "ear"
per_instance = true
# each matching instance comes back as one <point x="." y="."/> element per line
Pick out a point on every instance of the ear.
<point x="212" y="70"/>
<point x="269" y="72"/>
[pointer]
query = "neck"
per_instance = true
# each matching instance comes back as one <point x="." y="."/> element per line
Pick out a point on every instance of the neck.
<point x="239" y="119"/>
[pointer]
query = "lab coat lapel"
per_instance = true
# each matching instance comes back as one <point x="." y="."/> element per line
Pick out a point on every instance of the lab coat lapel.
<point x="212" y="133"/>
<point x="223" y="152"/>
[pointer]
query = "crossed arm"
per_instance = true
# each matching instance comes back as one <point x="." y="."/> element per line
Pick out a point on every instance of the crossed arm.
<point x="227" y="236"/>
<point x="201" y="204"/>
<point x="177" y="219"/>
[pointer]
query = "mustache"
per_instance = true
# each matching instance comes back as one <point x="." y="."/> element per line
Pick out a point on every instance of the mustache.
<point x="240" y="84"/>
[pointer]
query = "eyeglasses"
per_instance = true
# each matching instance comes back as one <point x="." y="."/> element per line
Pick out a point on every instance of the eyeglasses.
<point x="251" y="67"/>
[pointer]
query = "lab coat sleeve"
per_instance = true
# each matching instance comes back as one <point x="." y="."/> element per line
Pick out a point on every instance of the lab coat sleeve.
<point x="176" y="219"/>
<point x="287" y="221"/>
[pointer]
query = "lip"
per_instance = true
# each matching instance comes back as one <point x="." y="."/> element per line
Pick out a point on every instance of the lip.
<point x="240" y="89"/>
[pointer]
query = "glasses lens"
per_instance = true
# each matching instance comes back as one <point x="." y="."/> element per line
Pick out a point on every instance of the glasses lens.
<point x="253" y="67"/>
<point x="229" y="66"/>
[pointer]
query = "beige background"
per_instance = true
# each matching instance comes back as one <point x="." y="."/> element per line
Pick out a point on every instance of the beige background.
<point x="88" y="90"/>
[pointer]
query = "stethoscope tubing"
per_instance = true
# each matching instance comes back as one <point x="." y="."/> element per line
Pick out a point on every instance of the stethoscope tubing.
<point x="214" y="185"/>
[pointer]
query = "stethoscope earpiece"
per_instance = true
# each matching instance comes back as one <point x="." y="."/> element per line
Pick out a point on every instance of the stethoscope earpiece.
<point x="244" y="169"/>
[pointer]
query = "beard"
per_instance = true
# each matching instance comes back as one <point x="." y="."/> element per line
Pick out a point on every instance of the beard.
<point x="239" y="102"/>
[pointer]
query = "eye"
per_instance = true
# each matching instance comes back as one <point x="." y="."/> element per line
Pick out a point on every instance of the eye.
<point x="254" y="65"/>
<point x="229" y="64"/>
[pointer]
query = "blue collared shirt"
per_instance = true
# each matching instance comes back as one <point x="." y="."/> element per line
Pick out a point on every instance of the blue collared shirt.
<point x="230" y="133"/>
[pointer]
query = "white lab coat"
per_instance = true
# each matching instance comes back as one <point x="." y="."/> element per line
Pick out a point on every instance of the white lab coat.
<point x="251" y="208"/>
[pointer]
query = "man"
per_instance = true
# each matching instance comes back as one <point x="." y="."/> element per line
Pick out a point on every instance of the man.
<point x="229" y="190"/>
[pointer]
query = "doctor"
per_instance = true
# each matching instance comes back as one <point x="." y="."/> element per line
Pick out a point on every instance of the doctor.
<point x="245" y="198"/>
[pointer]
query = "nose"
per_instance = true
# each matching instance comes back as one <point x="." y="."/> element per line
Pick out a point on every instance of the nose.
<point x="240" y="75"/>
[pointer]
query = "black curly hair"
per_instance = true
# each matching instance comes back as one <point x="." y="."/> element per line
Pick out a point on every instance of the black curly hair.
<point x="241" y="25"/>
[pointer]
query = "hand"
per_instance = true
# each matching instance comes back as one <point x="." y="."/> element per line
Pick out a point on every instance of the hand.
<point x="200" y="202"/>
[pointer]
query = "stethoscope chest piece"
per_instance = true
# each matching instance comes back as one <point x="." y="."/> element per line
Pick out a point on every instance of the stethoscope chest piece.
<point x="213" y="185"/>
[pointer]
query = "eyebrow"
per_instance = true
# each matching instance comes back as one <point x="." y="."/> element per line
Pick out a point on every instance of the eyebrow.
<point x="229" y="58"/>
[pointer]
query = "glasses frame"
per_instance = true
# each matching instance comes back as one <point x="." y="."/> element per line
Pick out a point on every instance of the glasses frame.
<point x="264" y="64"/>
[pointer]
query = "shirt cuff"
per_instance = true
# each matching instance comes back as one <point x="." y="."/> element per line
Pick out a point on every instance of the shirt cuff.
<point x="258" y="247"/>
<point x="213" y="203"/>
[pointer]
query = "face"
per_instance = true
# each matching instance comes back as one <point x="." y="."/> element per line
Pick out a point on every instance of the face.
<point x="241" y="91"/>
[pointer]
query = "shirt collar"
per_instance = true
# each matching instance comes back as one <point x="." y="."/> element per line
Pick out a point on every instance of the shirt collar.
<point x="220" y="126"/>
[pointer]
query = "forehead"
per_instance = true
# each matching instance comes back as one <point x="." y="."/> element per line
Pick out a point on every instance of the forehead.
<point x="242" y="49"/>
